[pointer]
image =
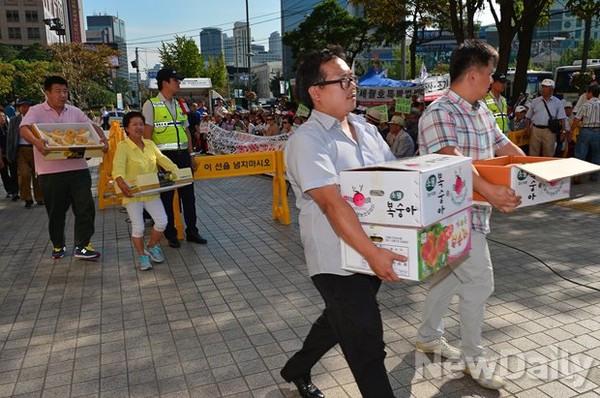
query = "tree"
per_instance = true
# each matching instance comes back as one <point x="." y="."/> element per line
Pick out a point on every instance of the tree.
<point x="329" y="23"/>
<point x="183" y="56"/>
<point x="7" y="77"/>
<point x="82" y="67"/>
<point x="8" y="53"/>
<point x="532" y="12"/>
<point x="218" y="73"/>
<point x="35" y="52"/>
<point x="585" y="10"/>
<point x="274" y="84"/>
<point x="29" y="78"/>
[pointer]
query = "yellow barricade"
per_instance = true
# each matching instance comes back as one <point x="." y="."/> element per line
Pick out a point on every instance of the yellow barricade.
<point x="519" y="137"/>
<point x="106" y="191"/>
<point x="218" y="166"/>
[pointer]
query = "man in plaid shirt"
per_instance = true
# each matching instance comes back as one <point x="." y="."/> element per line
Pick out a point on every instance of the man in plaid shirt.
<point x="458" y="123"/>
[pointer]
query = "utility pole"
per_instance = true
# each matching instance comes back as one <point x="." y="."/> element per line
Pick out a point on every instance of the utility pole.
<point x="137" y="72"/>
<point x="249" y="48"/>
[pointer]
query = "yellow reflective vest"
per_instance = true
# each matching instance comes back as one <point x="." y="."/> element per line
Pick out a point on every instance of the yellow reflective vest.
<point x="168" y="132"/>
<point x="501" y="115"/>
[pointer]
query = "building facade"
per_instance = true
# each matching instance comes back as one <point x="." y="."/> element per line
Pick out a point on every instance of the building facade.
<point x="211" y="42"/>
<point x="27" y="22"/>
<point x="110" y="30"/>
<point x="264" y="73"/>
<point x="275" y="44"/>
<point x="241" y="41"/>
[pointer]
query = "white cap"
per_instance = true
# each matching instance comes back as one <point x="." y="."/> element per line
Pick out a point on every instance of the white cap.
<point x="396" y="119"/>
<point x="520" y="108"/>
<point x="567" y="104"/>
<point x="548" y="82"/>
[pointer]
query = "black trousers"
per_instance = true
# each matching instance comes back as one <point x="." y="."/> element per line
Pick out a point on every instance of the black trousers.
<point x="186" y="198"/>
<point x="64" y="190"/>
<point x="351" y="319"/>
<point x="9" y="177"/>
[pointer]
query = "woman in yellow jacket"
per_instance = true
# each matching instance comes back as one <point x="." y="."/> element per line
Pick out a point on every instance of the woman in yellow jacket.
<point x="134" y="156"/>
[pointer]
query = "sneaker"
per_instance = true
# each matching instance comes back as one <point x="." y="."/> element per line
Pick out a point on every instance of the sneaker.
<point x="491" y="382"/>
<point x="86" y="253"/>
<point x="155" y="254"/>
<point x="145" y="264"/>
<point x="28" y="204"/>
<point x="439" y="346"/>
<point x="59" y="252"/>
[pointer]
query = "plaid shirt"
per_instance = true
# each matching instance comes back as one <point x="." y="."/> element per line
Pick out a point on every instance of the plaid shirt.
<point x="452" y="121"/>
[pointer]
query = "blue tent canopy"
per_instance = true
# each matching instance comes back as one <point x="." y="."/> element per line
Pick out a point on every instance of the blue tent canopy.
<point x="374" y="78"/>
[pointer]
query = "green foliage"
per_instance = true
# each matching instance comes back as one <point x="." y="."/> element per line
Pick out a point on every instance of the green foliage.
<point x="35" y="52"/>
<point x="83" y="68"/>
<point x="8" y="53"/>
<point x="217" y="72"/>
<point x="329" y="23"/>
<point x="584" y="9"/>
<point x="184" y="56"/>
<point x="29" y="78"/>
<point x="7" y="77"/>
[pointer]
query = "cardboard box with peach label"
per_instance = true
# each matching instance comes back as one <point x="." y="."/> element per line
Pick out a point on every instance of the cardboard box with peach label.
<point x="427" y="248"/>
<point x="413" y="192"/>
<point x="536" y="179"/>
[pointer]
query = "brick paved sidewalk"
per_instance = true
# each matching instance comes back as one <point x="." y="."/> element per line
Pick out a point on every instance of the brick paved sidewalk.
<point x="219" y="320"/>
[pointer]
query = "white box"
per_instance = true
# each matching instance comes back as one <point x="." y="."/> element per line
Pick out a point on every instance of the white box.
<point x="69" y="140"/>
<point x="419" y="245"/>
<point x="145" y="184"/>
<point x="536" y="179"/>
<point x="411" y="192"/>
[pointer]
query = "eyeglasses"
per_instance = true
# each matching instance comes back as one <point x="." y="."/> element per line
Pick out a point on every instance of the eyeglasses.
<point x="344" y="82"/>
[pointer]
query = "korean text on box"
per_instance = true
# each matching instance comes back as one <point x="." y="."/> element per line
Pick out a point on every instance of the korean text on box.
<point x="428" y="249"/>
<point x="412" y="192"/>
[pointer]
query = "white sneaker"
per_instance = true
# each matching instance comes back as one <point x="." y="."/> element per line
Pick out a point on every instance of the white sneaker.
<point x="439" y="346"/>
<point x="491" y="382"/>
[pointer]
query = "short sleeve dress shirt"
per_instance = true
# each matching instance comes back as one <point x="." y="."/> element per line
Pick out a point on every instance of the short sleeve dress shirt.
<point x="315" y="155"/>
<point x="453" y="121"/>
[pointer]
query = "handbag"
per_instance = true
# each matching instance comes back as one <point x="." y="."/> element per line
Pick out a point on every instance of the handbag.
<point x="554" y="124"/>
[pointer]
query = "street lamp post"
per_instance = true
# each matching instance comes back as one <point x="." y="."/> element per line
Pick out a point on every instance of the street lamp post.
<point x="249" y="48"/>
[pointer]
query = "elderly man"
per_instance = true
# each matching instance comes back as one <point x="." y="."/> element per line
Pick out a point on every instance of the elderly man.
<point x="542" y="111"/>
<point x="20" y="151"/>
<point x="588" y="120"/>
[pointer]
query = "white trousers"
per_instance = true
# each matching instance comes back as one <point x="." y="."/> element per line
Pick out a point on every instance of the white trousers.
<point x="154" y="207"/>
<point x="473" y="280"/>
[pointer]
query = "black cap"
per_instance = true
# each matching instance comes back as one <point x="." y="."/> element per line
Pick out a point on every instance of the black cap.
<point x="166" y="73"/>
<point x="499" y="77"/>
<point x="23" y="101"/>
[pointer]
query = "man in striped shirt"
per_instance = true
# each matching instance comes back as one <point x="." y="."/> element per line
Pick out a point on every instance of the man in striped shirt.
<point x="459" y="123"/>
<point x="588" y="120"/>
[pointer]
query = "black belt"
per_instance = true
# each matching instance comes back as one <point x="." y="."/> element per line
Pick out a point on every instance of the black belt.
<point x="591" y="128"/>
<point x="26" y="145"/>
<point x="540" y="127"/>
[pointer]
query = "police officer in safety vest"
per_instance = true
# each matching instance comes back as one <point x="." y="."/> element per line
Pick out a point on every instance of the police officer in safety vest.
<point x="496" y="102"/>
<point x="167" y="126"/>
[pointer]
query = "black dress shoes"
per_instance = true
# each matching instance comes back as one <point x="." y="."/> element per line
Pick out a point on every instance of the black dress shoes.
<point x="174" y="243"/>
<point x="307" y="389"/>
<point x="196" y="238"/>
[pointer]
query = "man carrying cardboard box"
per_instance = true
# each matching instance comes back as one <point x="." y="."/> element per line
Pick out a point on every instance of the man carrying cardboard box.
<point x="458" y="123"/>
<point x="332" y="140"/>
